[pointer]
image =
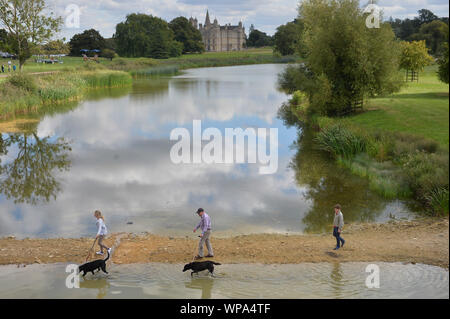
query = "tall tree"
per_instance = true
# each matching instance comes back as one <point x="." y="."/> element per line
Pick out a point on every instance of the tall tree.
<point x="435" y="33"/>
<point x="426" y="16"/>
<point x="28" y="25"/>
<point x="187" y="34"/>
<point x="443" y="64"/>
<point x="142" y="35"/>
<point x="89" y="40"/>
<point x="288" y="37"/>
<point x="259" y="39"/>
<point x="346" y="62"/>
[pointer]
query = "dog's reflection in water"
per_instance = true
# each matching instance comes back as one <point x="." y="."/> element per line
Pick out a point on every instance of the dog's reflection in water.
<point x="204" y="283"/>
<point x="101" y="284"/>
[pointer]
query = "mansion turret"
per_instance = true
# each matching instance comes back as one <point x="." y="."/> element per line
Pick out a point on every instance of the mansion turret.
<point x="220" y="37"/>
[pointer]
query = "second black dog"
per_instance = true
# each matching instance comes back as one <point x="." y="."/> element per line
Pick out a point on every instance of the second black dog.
<point x="94" y="265"/>
<point x="199" y="266"/>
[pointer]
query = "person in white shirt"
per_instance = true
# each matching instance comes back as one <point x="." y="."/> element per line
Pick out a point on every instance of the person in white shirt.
<point x="101" y="232"/>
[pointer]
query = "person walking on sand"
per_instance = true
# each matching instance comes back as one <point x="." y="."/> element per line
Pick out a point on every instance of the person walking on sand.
<point x="338" y="224"/>
<point x="205" y="226"/>
<point x="101" y="232"/>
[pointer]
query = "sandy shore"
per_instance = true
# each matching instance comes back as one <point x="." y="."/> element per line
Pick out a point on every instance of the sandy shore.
<point x="420" y="241"/>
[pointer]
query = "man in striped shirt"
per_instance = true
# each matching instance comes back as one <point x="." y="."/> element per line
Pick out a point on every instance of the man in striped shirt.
<point x="205" y="226"/>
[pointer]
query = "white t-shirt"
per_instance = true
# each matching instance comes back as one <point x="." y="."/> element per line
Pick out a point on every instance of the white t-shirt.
<point x="101" y="227"/>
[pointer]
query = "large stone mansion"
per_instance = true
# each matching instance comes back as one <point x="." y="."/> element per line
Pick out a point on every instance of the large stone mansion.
<point x="220" y="37"/>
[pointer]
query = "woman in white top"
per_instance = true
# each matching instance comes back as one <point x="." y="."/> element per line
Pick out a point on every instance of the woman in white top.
<point x="101" y="232"/>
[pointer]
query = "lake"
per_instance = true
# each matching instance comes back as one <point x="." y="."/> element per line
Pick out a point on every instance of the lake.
<point x="111" y="152"/>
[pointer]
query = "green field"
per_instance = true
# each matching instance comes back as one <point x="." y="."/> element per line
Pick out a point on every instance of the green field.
<point x="74" y="62"/>
<point x="419" y="108"/>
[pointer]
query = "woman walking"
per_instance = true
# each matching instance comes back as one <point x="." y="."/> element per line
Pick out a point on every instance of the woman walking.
<point x="101" y="232"/>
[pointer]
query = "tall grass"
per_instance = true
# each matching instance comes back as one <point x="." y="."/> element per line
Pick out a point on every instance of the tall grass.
<point x="24" y="93"/>
<point x="341" y="141"/>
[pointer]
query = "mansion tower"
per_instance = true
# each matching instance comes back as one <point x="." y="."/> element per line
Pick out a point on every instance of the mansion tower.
<point x="220" y="37"/>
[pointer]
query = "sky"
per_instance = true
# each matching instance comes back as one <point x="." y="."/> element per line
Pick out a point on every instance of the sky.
<point x="265" y="15"/>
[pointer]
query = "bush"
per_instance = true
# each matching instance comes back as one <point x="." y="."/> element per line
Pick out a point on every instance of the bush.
<point x="425" y="173"/>
<point x="23" y="81"/>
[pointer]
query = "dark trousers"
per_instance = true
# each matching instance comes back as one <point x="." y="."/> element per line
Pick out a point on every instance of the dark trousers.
<point x="337" y="234"/>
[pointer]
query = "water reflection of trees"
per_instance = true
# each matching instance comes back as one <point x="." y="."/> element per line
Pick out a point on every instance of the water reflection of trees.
<point x="327" y="184"/>
<point x="28" y="164"/>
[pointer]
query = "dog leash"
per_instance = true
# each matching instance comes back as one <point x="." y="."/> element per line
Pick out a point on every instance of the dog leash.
<point x="195" y="251"/>
<point x="90" y="250"/>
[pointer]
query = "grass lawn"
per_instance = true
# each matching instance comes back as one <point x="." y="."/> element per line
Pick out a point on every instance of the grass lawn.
<point x="419" y="108"/>
<point x="31" y="66"/>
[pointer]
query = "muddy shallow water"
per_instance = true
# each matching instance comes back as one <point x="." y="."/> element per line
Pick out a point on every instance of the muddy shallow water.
<point x="154" y="280"/>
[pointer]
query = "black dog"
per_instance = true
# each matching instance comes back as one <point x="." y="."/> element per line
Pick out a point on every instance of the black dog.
<point x="94" y="265"/>
<point x="199" y="266"/>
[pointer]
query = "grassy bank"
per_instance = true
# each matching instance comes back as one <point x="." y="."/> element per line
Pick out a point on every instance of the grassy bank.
<point x="400" y="142"/>
<point x="24" y="93"/>
<point x="144" y="66"/>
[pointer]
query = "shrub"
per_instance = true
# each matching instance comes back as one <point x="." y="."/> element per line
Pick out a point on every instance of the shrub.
<point x="23" y="81"/>
<point x="437" y="200"/>
<point x="425" y="173"/>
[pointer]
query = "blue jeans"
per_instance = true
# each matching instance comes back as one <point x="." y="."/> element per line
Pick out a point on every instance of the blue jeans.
<point x="339" y="239"/>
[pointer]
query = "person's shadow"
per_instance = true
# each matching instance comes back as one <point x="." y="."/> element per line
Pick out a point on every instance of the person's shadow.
<point x="203" y="283"/>
<point x="101" y="284"/>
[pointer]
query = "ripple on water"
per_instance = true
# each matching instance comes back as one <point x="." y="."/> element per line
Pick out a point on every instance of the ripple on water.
<point x="153" y="280"/>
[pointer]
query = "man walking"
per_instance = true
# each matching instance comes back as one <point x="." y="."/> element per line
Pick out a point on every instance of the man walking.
<point x="205" y="226"/>
<point x="338" y="224"/>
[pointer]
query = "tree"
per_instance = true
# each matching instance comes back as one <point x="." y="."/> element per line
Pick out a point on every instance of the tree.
<point x="108" y="53"/>
<point x="89" y="40"/>
<point x="287" y="38"/>
<point x="259" y="39"/>
<point x="346" y="62"/>
<point x="55" y="47"/>
<point x="27" y="25"/>
<point x="144" y="35"/>
<point x="426" y="16"/>
<point x="4" y="40"/>
<point x="187" y="34"/>
<point x="414" y="56"/>
<point x="28" y="177"/>
<point x="435" y="33"/>
<point x="443" y="64"/>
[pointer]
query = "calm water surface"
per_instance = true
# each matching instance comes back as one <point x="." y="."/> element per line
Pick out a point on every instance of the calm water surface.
<point x="321" y="280"/>
<point x="111" y="152"/>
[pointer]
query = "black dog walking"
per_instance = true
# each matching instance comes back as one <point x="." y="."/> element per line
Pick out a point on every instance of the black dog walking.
<point x="99" y="264"/>
<point x="199" y="266"/>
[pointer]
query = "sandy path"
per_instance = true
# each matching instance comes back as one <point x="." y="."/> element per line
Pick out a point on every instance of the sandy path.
<point x="422" y="241"/>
